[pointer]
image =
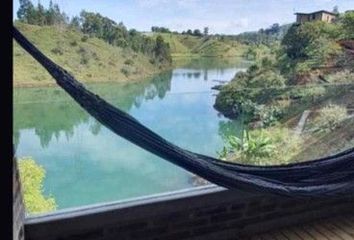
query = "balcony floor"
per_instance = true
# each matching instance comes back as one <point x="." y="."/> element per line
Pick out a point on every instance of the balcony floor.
<point x="339" y="228"/>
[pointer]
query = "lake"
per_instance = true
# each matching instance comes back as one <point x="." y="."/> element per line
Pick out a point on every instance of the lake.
<point x="86" y="163"/>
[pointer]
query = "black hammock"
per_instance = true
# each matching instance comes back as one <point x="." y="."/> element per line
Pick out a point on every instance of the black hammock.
<point x="330" y="176"/>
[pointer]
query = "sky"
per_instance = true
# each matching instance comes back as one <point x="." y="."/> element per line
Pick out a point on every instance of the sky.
<point x="221" y="16"/>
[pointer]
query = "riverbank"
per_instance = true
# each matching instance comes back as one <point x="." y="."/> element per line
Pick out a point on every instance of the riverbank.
<point x="296" y="98"/>
<point x="89" y="59"/>
<point x="132" y="79"/>
<point x="196" y="61"/>
<point x="298" y="123"/>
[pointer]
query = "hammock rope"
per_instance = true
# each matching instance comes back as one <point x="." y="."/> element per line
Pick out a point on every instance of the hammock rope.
<point x="330" y="176"/>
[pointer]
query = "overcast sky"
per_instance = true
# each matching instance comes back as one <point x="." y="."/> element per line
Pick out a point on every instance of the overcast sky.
<point x="221" y="16"/>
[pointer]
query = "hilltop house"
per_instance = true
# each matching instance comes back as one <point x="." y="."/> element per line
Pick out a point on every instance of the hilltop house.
<point x="316" y="16"/>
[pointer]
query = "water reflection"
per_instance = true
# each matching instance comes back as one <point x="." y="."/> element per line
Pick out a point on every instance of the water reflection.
<point x="50" y="111"/>
<point x="86" y="163"/>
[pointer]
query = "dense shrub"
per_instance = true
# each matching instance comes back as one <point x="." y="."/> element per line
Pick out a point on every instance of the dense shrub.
<point x="82" y="50"/>
<point x="129" y="62"/>
<point x="300" y="36"/>
<point x="344" y="76"/>
<point x="267" y="79"/>
<point x="112" y="63"/>
<point x="125" y="71"/>
<point x="308" y="46"/>
<point x="152" y="61"/>
<point x="249" y="89"/>
<point x="348" y="25"/>
<point x="73" y="43"/>
<point x="329" y="118"/>
<point x="84" y="60"/>
<point x="308" y="92"/>
<point x="84" y="38"/>
<point x="95" y="56"/>
<point x="321" y="50"/>
<point x="269" y="115"/>
<point x="256" y="52"/>
<point x="57" y="50"/>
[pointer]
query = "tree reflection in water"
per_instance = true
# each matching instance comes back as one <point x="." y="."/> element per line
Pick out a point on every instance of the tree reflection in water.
<point x="51" y="112"/>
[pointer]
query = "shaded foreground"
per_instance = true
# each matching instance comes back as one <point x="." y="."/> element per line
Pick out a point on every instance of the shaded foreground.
<point x="337" y="228"/>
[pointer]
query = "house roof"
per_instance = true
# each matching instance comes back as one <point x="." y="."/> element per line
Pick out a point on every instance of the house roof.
<point x="321" y="11"/>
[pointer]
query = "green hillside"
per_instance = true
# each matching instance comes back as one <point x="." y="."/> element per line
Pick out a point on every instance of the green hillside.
<point x="88" y="59"/>
<point x="192" y="46"/>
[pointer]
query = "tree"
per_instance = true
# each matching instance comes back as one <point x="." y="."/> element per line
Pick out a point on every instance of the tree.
<point x="59" y="17"/>
<point x="162" y="50"/>
<point x="160" y="29"/>
<point x="321" y="50"/>
<point x="275" y="28"/>
<point x="40" y="15"/>
<point x="299" y="37"/>
<point x="75" y="23"/>
<point x="335" y="10"/>
<point x="348" y="25"/>
<point x="197" y="33"/>
<point x="26" y="11"/>
<point x="50" y="14"/>
<point x="206" y="31"/>
<point x="92" y="24"/>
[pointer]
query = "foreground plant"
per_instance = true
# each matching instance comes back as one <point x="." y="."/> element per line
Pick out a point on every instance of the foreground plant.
<point x="32" y="176"/>
<point x="248" y="147"/>
<point x="272" y="146"/>
<point x="329" y="118"/>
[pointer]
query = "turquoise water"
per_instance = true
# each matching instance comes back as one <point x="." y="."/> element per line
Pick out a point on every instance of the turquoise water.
<point x="85" y="163"/>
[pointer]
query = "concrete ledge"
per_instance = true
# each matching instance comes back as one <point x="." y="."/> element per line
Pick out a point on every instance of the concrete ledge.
<point x="208" y="212"/>
<point x="133" y="202"/>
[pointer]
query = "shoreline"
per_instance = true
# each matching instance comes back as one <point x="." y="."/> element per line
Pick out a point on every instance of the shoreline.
<point x="134" y="79"/>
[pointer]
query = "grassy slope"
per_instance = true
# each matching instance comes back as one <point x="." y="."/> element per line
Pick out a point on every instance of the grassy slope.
<point x="327" y="143"/>
<point x="104" y="62"/>
<point x="190" y="46"/>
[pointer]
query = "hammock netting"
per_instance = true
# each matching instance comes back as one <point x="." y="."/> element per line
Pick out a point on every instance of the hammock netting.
<point x="330" y="176"/>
